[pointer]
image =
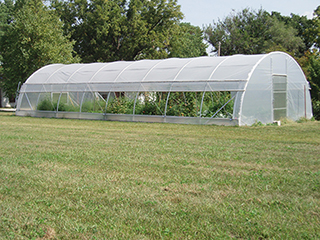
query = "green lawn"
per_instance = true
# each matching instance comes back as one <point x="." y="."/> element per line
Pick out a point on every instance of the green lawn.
<point x="77" y="179"/>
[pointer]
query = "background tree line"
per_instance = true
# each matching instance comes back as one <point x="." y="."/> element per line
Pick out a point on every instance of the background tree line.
<point x="34" y="33"/>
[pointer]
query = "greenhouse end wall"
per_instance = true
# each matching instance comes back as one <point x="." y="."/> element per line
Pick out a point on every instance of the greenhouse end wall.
<point x="260" y="101"/>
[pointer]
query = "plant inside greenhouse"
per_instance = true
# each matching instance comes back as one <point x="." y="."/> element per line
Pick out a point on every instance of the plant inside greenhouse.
<point x="184" y="104"/>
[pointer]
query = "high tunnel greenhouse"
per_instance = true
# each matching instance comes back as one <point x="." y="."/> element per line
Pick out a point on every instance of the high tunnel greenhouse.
<point x="231" y="90"/>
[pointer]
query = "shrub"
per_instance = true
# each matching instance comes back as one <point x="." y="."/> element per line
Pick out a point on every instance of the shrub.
<point x="316" y="109"/>
<point x="95" y="106"/>
<point x="120" y="105"/>
<point x="46" y="105"/>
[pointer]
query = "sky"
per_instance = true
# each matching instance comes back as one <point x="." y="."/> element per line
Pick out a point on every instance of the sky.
<point x="204" y="12"/>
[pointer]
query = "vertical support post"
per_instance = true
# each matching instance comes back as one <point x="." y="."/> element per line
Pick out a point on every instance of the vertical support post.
<point x="38" y="98"/>
<point x="28" y="101"/>
<point x="165" y="109"/>
<point x="219" y="49"/>
<point x="84" y="93"/>
<point x="107" y="101"/>
<point x="202" y="103"/>
<point x="135" y="101"/>
<point x="58" y="102"/>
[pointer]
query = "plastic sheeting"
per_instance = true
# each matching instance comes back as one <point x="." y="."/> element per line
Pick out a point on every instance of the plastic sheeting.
<point x="248" y="77"/>
<point x="190" y="74"/>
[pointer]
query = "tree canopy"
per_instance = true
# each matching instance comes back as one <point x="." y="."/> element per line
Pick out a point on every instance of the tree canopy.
<point x="32" y="39"/>
<point x="315" y="29"/>
<point x="119" y="29"/>
<point x="252" y="32"/>
<point x="188" y="42"/>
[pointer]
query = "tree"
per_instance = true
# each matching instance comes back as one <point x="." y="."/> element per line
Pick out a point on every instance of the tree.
<point x="188" y="42"/>
<point x="310" y="64"/>
<point x="32" y="39"/>
<point x="119" y="29"/>
<point x="315" y="29"/>
<point x="302" y="25"/>
<point x="239" y="32"/>
<point x="282" y="37"/>
<point x="251" y="32"/>
<point x="6" y="8"/>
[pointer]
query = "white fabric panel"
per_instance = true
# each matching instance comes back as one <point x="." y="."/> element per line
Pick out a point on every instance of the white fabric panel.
<point x="62" y="74"/>
<point x="199" y="68"/>
<point x="154" y="74"/>
<point x="23" y="102"/>
<point x="137" y="71"/>
<point x="33" y="99"/>
<point x="167" y="70"/>
<point x="299" y="99"/>
<point x="279" y="64"/>
<point x="110" y="72"/>
<point x="44" y="73"/>
<point x="257" y="99"/>
<point x="237" y="105"/>
<point x="236" y="67"/>
<point x="84" y="73"/>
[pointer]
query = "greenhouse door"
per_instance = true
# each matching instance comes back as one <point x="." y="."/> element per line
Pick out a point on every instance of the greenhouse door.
<point x="279" y="83"/>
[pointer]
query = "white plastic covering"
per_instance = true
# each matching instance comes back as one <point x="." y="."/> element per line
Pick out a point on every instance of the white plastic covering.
<point x="248" y="77"/>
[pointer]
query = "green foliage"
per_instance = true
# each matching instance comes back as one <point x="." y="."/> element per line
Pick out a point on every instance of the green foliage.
<point x="87" y="106"/>
<point x="185" y="104"/>
<point x="6" y="9"/>
<point x="316" y="109"/>
<point x="63" y="107"/>
<point x="214" y="101"/>
<point x="310" y="64"/>
<point x="282" y="37"/>
<point x="303" y="120"/>
<point x="302" y="25"/>
<point x="33" y="38"/>
<point x="187" y="42"/>
<point x="119" y="29"/>
<point x="93" y="106"/>
<point x="251" y="32"/>
<point x="120" y="105"/>
<point x="315" y="28"/>
<point x="257" y="124"/>
<point x="151" y="103"/>
<point x="241" y="32"/>
<point x="46" y="105"/>
<point x="314" y="74"/>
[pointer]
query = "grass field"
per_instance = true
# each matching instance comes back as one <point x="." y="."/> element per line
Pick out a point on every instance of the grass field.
<point x="77" y="179"/>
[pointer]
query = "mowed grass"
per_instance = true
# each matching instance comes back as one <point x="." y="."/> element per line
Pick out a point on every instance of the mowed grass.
<point x="78" y="179"/>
